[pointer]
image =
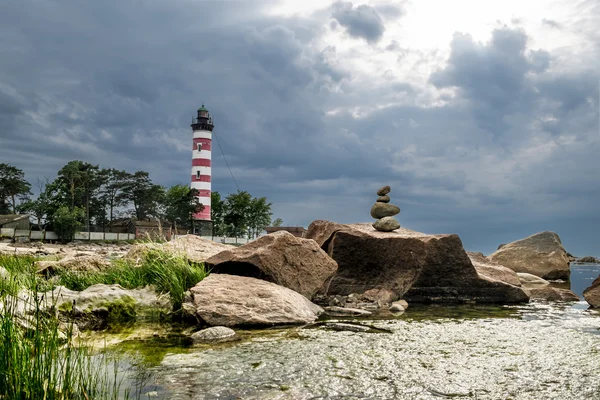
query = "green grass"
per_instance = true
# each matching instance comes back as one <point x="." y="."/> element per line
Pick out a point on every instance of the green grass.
<point x="168" y="273"/>
<point x="22" y="273"/>
<point x="39" y="361"/>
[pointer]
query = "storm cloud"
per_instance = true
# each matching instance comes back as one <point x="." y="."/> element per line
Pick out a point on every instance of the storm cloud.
<point x="493" y="139"/>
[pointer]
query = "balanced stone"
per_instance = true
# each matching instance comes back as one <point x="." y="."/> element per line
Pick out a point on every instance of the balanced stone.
<point x="380" y="210"/>
<point x="386" y="224"/>
<point x="383" y="199"/>
<point x="383" y="191"/>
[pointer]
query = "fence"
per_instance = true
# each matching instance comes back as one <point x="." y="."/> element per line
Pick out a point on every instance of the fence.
<point x="18" y="234"/>
<point x="221" y="239"/>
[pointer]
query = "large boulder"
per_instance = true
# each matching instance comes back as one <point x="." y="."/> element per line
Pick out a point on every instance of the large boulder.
<point x="99" y="304"/>
<point x="230" y="300"/>
<point x="592" y="294"/>
<point x="280" y="257"/>
<point x="415" y="266"/>
<point x="541" y="254"/>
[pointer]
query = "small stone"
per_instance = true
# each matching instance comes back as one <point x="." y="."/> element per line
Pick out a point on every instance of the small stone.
<point x="396" y="307"/>
<point x="403" y="303"/>
<point x="383" y="191"/>
<point x="383" y="199"/>
<point x="380" y="210"/>
<point x="214" y="334"/>
<point x="386" y="224"/>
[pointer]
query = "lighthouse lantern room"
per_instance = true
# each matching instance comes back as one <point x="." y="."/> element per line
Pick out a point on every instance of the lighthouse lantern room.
<point x="202" y="127"/>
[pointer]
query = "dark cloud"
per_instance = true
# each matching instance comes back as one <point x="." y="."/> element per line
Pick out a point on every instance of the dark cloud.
<point x="361" y="22"/>
<point x="500" y="145"/>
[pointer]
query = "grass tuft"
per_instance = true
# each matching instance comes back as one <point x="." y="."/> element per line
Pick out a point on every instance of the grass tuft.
<point x="167" y="272"/>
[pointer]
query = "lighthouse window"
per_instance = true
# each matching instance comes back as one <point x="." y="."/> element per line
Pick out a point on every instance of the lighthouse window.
<point x="199" y="146"/>
<point x="197" y="174"/>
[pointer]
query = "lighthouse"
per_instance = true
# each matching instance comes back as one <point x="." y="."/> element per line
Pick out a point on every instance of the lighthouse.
<point x="202" y="127"/>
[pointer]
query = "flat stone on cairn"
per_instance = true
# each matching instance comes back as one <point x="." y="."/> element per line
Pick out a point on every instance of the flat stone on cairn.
<point x="384" y="212"/>
<point x="384" y="190"/>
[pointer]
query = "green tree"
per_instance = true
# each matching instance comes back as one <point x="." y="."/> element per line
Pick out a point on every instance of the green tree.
<point x="12" y="186"/>
<point x="217" y="210"/>
<point x="181" y="203"/>
<point x="145" y="196"/>
<point x="40" y="207"/>
<point x="236" y="213"/>
<point x="76" y="186"/>
<point x="67" y="222"/>
<point x="112" y="192"/>
<point x="277" y="222"/>
<point x="259" y="216"/>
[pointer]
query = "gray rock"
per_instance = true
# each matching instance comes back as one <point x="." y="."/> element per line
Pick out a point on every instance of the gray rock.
<point x="214" y="334"/>
<point x="380" y="210"/>
<point x="386" y="224"/>
<point x="541" y="254"/>
<point x="383" y="191"/>
<point x="383" y="199"/>
<point x="396" y="307"/>
<point x="588" y="259"/>
<point x="295" y="263"/>
<point x="548" y="293"/>
<point x="592" y="294"/>
<point x="403" y="303"/>
<point x="4" y="274"/>
<point x="342" y="311"/>
<point x="230" y="300"/>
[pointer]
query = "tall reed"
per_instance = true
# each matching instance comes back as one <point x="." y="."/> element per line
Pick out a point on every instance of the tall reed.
<point x="41" y="358"/>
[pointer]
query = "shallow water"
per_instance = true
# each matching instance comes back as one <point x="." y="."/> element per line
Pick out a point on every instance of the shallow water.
<point x="582" y="276"/>
<point x="532" y="351"/>
<point x="537" y="351"/>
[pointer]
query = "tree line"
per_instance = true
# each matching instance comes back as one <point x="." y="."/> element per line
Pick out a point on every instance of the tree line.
<point x="86" y="197"/>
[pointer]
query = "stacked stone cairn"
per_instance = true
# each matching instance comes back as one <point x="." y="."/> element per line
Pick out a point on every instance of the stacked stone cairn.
<point x="384" y="212"/>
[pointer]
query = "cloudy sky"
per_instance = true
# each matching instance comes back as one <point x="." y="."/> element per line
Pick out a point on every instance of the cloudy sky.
<point x="483" y="116"/>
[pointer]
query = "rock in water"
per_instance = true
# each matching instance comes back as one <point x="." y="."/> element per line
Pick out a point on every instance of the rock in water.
<point x="531" y="281"/>
<point x="383" y="199"/>
<point x="386" y="224"/>
<point x="416" y="266"/>
<point x="296" y="263"/>
<point x="230" y="300"/>
<point x="215" y="334"/>
<point x="396" y="307"/>
<point x="384" y="190"/>
<point x="380" y="210"/>
<point x="541" y="254"/>
<point x="592" y="294"/>
<point x="552" y="294"/>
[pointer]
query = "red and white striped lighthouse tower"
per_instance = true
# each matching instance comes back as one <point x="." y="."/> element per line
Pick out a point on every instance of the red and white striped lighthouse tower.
<point x="202" y="127"/>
